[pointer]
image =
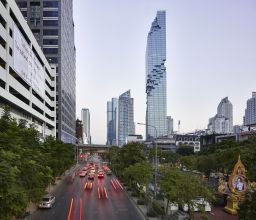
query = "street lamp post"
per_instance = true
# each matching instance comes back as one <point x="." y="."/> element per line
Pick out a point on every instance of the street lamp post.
<point x="155" y="153"/>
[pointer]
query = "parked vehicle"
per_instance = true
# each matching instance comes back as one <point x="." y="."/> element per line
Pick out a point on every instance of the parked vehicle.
<point x="47" y="201"/>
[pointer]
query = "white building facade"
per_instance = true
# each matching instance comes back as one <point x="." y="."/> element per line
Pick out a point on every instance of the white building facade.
<point x="27" y="81"/>
<point x="169" y="126"/>
<point x="86" y="121"/>
<point x="250" y="111"/>
<point x="222" y="122"/>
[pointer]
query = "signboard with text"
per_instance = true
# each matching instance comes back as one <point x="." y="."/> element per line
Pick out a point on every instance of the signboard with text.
<point x="26" y="64"/>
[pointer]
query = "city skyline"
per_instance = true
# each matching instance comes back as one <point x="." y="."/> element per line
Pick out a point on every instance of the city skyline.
<point x="210" y="51"/>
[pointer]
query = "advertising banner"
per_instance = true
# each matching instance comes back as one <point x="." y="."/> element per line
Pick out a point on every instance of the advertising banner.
<point x="26" y="64"/>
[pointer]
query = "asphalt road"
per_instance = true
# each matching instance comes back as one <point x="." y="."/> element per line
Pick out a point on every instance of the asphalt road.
<point x="105" y="201"/>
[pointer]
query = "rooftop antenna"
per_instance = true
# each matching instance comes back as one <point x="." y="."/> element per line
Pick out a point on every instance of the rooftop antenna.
<point x="179" y="126"/>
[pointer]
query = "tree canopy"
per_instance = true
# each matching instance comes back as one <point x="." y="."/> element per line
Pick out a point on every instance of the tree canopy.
<point x="27" y="165"/>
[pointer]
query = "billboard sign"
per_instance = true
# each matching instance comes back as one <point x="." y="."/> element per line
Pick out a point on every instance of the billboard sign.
<point x="26" y="64"/>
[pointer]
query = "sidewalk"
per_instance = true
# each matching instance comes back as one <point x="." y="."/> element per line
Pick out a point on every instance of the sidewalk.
<point x="141" y="208"/>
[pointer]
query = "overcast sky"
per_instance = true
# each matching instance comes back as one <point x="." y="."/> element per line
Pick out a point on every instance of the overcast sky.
<point x="211" y="54"/>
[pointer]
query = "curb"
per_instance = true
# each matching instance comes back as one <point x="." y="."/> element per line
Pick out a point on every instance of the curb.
<point x="138" y="208"/>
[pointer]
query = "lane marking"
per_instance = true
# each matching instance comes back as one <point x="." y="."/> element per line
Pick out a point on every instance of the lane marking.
<point x="112" y="183"/>
<point x="70" y="208"/>
<point x="98" y="192"/>
<point x="118" y="183"/>
<point x="80" y="208"/>
<point x="106" y="194"/>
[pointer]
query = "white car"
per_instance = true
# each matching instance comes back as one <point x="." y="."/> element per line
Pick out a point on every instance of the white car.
<point x="47" y="201"/>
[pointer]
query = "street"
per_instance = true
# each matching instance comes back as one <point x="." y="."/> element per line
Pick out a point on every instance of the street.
<point x="103" y="199"/>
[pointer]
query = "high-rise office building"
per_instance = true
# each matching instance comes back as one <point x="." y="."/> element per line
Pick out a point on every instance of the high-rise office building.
<point x="85" y="117"/>
<point x="169" y="126"/>
<point x="156" y="78"/>
<point x="222" y="122"/>
<point x="51" y="22"/>
<point x="112" y="122"/>
<point x="27" y="81"/>
<point x="250" y="111"/>
<point x="125" y="117"/>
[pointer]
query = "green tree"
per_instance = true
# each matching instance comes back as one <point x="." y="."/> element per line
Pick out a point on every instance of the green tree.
<point x="185" y="150"/>
<point x="247" y="210"/>
<point x="183" y="188"/>
<point x="27" y="164"/>
<point x="13" y="198"/>
<point x="140" y="173"/>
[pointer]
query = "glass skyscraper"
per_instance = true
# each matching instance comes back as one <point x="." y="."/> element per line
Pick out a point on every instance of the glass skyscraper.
<point x="112" y="121"/>
<point x="156" y="111"/>
<point x="51" y="22"/>
<point x="125" y="117"/>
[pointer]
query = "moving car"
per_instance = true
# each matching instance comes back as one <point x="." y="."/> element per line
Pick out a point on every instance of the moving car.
<point x="109" y="172"/>
<point x="91" y="176"/>
<point x="47" y="201"/>
<point x="101" y="175"/>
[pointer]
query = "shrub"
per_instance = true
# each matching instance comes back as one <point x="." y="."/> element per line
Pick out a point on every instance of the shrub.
<point x="141" y="202"/>
<point x="151" y="213"/>
<point x="134" y="194"/>
<point x="157" y="208"/>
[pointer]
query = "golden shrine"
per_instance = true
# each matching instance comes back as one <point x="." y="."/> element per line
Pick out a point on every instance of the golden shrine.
<point x="238" y="185"/>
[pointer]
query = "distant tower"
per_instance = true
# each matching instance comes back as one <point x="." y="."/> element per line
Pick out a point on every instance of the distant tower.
<point x="250" y="111"/>
<point x="156" y="111"/>
<point x="85" y="116"/>
<point x="222" y="122"/>
<point x="125" y="117"/>
<point x="112" y="121"/>
<point x="169" y="126"/>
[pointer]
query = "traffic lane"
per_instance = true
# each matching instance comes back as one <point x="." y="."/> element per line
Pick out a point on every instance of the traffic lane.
<point x="63" y="193"/>
<point x="87" y="204"/>
<point x="124" y="208"/>
<point x="117" y="206"/>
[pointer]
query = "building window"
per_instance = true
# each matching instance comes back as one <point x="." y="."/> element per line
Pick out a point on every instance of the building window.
<point x="2" y="21"/>
<point x="50" y="4"/>
<point x="50" y="41"/>
<point x="24" y="13"/>
<point x="36" y="33"/>
<point x="10" y="51"/>
<point x="10" y="32"/>
<point x="51" y="23"/>
<point x="35" y="13"/>
<point x="2" y="42"/>
<point x="52" y="60"/>
<point x="50" y="13"/>
<point x="2" y="83"/>
<point x="2" y="63"/>
<point x="50" y="32"/>
<point x="22" y="4"/>
<point x="51" y="50"/>
<point x="35" y="21"/>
